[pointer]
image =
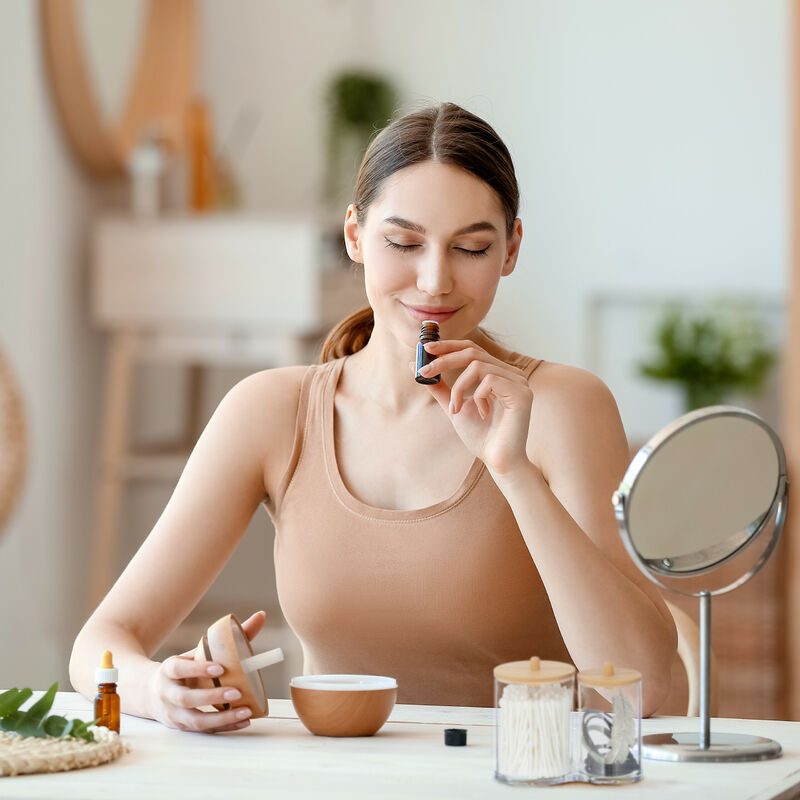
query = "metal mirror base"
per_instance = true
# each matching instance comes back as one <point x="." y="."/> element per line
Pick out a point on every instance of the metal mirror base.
<point x="724" y="747"/>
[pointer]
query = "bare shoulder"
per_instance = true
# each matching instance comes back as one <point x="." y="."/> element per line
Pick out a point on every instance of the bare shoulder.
<point x="574" y="414"/>
<point x="266" y="403"/>
<point x="278" y="388"/>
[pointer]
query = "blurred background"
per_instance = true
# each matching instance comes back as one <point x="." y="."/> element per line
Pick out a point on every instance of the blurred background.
<point x="175" y="176"/>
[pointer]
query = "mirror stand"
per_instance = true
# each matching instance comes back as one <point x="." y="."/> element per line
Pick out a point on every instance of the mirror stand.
<point x="703" y="745"/>
<point x="728" y="468"/>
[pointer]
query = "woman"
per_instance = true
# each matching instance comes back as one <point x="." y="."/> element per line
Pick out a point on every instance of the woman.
<point x="423" y="532"/>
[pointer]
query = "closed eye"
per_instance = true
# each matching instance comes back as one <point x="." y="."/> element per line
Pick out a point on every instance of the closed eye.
<point x="403" y="247"/>
<point x="408" y="247"/>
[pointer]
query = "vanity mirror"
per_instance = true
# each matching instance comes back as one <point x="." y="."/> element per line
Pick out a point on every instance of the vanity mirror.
<point x="117" y="70"/>
<point x="700" y="509"/>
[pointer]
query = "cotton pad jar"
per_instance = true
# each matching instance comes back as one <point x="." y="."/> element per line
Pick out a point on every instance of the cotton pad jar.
<point x="533" y="703"/>
<point x="610" y="725"/>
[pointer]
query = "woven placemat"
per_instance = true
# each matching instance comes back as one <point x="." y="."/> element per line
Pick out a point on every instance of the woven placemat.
<point x="20" y="755"/>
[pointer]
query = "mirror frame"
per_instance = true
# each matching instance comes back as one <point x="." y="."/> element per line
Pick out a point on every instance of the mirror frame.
<point x="778" y="506"/>
<point x="161" y="87"/>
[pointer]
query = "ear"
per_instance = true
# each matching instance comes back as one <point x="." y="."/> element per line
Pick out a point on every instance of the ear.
<point x="512" y="251"/>
<point x="351" y="235"/>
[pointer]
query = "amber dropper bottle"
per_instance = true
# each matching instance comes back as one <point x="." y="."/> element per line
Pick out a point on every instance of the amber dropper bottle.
<point x="106" y="704"/>
<point x="428" y="333"/>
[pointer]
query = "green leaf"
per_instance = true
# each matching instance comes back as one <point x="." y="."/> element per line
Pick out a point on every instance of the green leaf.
<point x="38" y="711"/>
<point x="55" y="726"/>
<point x="35" y="722"/>
<point x="11" y="721"/>
<point x="11" y="700"/>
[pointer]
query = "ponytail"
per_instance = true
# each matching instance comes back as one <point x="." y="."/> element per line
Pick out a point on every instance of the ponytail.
<point x="349" y="336"/>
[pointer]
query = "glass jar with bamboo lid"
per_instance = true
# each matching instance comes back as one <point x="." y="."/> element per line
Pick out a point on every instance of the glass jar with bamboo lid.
<point x="609" y="743"/>
<point x="533" y="702"/>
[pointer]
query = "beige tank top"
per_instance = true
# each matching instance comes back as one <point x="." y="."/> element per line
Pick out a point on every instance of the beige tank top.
<point x="435" y="597"/>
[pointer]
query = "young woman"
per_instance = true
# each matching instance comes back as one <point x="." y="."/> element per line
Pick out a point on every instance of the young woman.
<point x="428" y="532"/>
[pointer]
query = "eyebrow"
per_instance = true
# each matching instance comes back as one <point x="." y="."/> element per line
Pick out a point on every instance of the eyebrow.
<point x="414" y="226"/>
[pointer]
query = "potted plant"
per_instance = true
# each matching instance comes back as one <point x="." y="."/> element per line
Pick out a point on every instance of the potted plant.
<point x="359" y="105"/>
<point x="710" y="353"/>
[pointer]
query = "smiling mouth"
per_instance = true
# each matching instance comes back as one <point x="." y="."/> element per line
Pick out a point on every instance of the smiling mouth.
<point x="431" y="312"/>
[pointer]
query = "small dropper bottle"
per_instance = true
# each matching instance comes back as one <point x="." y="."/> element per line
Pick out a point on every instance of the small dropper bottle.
<point x="106" y="703"/>
<point x="428" y="333"/>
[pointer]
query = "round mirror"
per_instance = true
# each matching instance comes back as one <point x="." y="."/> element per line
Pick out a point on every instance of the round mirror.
<point x="700" y="491"/>
<point x="700" y="509"/>
<point x="110" y="36"/>
<point x="13" y="442"/>
<point x="117" y="71"/>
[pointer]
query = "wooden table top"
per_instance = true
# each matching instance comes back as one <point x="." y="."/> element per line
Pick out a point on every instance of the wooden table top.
<point x="277" y="757"/>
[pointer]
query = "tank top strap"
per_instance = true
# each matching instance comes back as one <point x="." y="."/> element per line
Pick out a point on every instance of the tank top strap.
<point x="309" y="413"/>
<point x="527" y="364"/>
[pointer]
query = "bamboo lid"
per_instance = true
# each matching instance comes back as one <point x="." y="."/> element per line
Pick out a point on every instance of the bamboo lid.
<point x="533" y="670"/>
<point x="609" y="676"/>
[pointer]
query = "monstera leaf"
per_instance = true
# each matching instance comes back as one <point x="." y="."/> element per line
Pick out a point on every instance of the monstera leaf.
<point x="35" y="721"/>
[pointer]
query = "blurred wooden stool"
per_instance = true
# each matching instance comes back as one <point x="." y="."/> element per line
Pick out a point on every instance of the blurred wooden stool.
<point x="196" y="292"/>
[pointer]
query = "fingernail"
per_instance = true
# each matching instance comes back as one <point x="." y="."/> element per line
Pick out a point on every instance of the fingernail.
<point x="451" y="409"/>
<point x="424" y="369"/>
<point x="232" y="694"/>
<point x="215" y="669"/>
<point x="243" y="713"/>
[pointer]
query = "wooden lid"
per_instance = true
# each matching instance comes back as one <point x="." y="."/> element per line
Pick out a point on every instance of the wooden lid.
<point x="609" y="676"/>
<point x="533" y="671"/>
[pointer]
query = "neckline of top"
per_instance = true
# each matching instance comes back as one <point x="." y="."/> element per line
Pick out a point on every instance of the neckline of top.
<point x="347" y="498"/>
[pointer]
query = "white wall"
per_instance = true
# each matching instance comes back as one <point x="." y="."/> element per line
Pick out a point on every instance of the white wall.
<point x="650" y="140"/>
<point x="44" y="206"/>
<point x="650" y="137"/>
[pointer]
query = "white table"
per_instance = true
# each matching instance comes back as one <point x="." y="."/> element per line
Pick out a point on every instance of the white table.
<point x="277" y="757"/>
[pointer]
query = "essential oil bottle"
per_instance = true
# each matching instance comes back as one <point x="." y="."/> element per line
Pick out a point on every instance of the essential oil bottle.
<point x="106" y="703"/>
<point x="428" y="333"/>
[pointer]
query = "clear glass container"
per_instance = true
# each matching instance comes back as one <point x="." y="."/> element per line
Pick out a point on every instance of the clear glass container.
<point x="533" y="703"/>
<point x="608" y="743"/>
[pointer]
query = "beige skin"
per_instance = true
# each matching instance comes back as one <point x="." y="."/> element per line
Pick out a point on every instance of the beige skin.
<point x="554" y="445"/>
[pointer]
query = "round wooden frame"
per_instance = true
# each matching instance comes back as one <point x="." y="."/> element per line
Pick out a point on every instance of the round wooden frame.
<point x="160" y="91"/>
<point x="13" y="441"/>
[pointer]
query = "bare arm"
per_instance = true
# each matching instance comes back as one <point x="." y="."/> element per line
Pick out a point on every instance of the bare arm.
<point x="556" y="449"/>
<point x="606" y="610"/>
<point x="235" y="463"/>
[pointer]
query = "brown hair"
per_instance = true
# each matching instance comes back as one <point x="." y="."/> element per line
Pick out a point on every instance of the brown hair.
<point x="447" y="134"/>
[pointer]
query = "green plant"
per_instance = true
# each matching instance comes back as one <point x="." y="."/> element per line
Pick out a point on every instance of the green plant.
<point x="359" y="105"/>
<point x="34" y="721"/>
<point x="710" y="353"/>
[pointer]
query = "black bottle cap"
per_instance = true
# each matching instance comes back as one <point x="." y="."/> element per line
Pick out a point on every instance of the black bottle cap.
<point x="455" y="737"/>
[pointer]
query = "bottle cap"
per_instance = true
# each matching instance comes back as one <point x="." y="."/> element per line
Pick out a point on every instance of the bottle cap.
<point x="106" y="672"/>
<point x="455" y="737"/>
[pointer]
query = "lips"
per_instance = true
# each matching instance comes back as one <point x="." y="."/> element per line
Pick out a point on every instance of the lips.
<point x="435" y="313"/>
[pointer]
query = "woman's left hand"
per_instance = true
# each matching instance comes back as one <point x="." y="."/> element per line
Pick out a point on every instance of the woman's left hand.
<point x="493" y="421"/>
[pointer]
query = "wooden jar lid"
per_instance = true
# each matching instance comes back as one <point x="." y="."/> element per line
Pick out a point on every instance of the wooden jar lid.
<point x="534" y="670"/>
<point x="609" y="676"/>
<point x="227" y="644"/>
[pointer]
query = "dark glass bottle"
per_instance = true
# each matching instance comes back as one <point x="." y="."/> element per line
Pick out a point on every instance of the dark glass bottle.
<point x="106" y="706"/>
<point x="429" y="332"/>
<point x="106" y="703"/>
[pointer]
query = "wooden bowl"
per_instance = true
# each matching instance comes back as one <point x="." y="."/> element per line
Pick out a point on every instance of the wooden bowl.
<point x="227" y="644"/>
<point x="343" y="705"/>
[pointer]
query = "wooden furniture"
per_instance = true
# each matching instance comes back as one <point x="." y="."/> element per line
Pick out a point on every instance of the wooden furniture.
<point x="247" y="291"/>
<point x="159" y="92"/>
<point x="13" y="441"/>
<point x="406" y="758"/>
<point x="790" y="586"/>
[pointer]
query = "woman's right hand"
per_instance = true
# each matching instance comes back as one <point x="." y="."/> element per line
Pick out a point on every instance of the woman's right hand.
<point x="176" y="705"/>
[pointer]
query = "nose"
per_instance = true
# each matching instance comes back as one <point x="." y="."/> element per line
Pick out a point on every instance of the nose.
<point x="434" y="274"/>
